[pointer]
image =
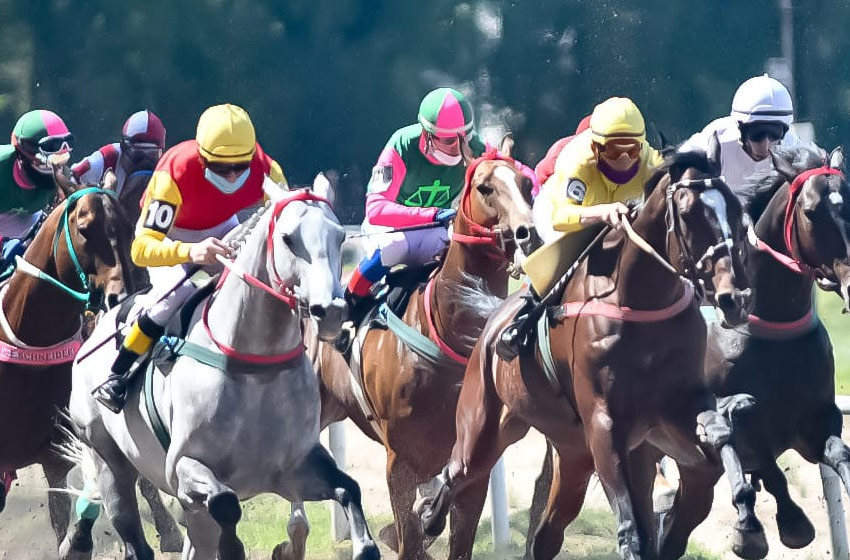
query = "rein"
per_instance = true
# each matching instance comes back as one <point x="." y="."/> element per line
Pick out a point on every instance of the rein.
<point x="280" y="291"/>
<point x="63" y="228"/>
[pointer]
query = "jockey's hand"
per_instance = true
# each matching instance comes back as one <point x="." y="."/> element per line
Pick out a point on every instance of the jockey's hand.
<point x="609" y="214"/>
<point x="204" y="252"/>
<point x="445" y="216"/>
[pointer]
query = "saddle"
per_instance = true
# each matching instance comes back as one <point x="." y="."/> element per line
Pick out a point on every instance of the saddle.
<point x="401" y="283"/>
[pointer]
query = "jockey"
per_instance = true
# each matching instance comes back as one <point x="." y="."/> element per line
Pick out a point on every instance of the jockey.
<point x="190" y="204"/>
<point x="141" y="145"/>
<point x="26" y="177"/>
<point x="760" y="119"/>
<point x="596" y="174"/>
<point x="417" y="178"/>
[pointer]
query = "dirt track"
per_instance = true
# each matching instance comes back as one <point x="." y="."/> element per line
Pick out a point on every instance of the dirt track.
<point x="26" y="532"/>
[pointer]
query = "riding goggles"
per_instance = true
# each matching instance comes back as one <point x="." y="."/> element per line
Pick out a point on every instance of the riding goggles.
<point x="759" y="131"/>
<point x="614" y="149"/>
<point x="56" y="144"/>
<point x="224" y="169"/>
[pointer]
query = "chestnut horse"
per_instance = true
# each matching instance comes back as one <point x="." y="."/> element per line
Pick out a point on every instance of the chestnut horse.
<point x="784" y="357"/>
<point x="627" y="348"/>
<point x="409" y="399"/>
<point x="40" y="330"/>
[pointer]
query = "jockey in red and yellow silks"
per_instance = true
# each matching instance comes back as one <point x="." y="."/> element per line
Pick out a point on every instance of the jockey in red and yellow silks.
<point x="190" y="204"/>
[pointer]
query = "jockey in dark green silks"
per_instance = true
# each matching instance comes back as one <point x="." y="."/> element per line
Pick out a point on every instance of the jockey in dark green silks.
<point x="417" y="178"/>
<point x="26" y="177"/>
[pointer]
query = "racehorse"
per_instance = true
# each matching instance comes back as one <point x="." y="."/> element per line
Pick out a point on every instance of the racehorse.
<point x="784" y="356"/>
<point x="42" y="305"/>
<point x="409" y="399"/>
<point x="240" y="415"/>
<point x="624" y="382"/>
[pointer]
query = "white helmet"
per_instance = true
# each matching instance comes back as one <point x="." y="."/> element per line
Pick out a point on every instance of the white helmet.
<point x="762" y="99"/>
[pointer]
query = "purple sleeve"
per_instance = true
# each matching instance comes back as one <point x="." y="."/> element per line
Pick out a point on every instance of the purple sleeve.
<point x="382" y="209"/>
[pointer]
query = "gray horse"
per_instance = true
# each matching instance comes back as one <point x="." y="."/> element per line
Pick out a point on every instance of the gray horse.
<point x="242" y="428"/>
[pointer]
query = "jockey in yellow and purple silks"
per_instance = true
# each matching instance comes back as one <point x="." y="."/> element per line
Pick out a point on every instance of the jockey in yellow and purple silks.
<point x="599" y="172"/>
<point x="418" y="176"/>
<point x="189" y="205"/>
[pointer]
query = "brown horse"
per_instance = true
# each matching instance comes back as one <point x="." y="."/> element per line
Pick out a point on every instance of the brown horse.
<point x="410" y="399"/>
<point x="627" y="348"/>
<point x="784" y="357"/>
<point x="42" y="304"/>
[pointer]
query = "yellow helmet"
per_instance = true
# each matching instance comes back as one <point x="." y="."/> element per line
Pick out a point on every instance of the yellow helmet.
<point x="226" y="134"/>
<point x="617" y="117"/>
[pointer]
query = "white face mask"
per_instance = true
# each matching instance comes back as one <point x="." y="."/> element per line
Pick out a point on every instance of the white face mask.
<point x="445" y="159"/>
<point x="223" y="184"/>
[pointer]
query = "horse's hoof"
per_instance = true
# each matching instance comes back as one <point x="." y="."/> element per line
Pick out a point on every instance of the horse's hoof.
<point x="389" y="536"/>
<point x="795" y="529"/>
<point x="370" y="552"/>
<point x="433" y="516"/>
<point x="75" y="548"/>
<point x="749" y="544"/>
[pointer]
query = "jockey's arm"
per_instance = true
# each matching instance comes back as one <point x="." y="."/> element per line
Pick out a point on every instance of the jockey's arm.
<point x="89" y="170"/>
<point x="382" y="208"/>
<point x="160" y="207"/>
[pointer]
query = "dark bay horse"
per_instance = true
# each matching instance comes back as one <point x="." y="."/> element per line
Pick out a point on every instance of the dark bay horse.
<point x="40" y="329"/>
<point x="784" y="357"/>
<point x="627" y="348"/>
<point x="409" y="400"/>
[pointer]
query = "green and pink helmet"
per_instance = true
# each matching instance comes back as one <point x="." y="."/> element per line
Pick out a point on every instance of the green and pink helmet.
<point x="445" y="113"/>
<point x="41" y="131"/>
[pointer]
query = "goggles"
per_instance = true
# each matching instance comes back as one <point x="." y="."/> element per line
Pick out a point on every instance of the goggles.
<point x="758" y="132"/>
<point x="224" y="169"/>
<point x="53" y="144"/>
<point x="614" y="149"/>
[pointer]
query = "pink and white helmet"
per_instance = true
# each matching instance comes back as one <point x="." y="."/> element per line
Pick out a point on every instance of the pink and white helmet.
<point x="144" y="127"/>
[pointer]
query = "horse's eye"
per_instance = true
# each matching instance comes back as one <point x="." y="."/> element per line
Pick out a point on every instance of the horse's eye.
<point x="287" y="240"/>
<point x="485" y="190"/>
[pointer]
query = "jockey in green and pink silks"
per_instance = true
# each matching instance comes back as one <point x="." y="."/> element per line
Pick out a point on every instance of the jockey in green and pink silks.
<point x="417" y="178"/>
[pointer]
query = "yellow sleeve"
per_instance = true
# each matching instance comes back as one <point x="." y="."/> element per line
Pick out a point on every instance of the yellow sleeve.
<point x="159" y="212"/>
<point x="566" y="211"/>
<point x="276" y="172"/>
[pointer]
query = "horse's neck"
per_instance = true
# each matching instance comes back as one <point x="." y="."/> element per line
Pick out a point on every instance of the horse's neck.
<point x="38" y="313"/>
<point x="247" y="318"/>
<point x="643" y="283"/>
<point x="469" y="266"/>
<point x="780" y="293"/>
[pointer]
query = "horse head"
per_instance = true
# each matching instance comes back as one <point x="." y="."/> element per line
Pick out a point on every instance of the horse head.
<point x="98" y="237"/>
<point x="817" y="217"/>
<point x="497" y="199"/>
<point x="706" y="235"/>
<point x="306" y="239"/>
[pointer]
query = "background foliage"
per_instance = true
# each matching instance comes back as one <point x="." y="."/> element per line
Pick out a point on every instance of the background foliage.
<point x="327" y="82"/>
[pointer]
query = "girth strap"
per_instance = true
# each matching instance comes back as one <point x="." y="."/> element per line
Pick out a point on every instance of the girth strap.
<point x="416" y="341"/>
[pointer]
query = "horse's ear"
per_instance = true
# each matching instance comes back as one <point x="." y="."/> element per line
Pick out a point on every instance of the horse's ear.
<point x="507" y="145"/>
<point x="713" y="152"/>
<point x="465" y="150"/>
<point x="836" y="159"/>
<point x="322" y="187"/>
<point x="275" y="191"/>
<point x="782" y="165"/>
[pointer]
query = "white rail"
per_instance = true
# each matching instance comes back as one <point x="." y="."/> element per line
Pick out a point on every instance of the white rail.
<point x="832" y="494"/>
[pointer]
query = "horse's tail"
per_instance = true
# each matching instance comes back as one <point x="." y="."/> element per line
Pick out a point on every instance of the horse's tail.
<point x="71" y="448"/>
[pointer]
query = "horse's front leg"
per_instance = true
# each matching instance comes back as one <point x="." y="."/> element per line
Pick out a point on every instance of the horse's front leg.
<point x="714" y="428"/>
<point x="199" y="491"/>
<point x="298" y="529"/>
<point x="611" y="458"/>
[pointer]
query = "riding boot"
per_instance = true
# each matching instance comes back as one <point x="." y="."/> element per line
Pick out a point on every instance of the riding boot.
<point x="514" y="336"/>
<point x="113" y="392"/>
<point x="358" y="308"/>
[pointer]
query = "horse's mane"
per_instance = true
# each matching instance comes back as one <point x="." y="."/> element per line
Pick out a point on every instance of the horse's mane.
<point x="759" y="188"/>
<point x="471" y="292"/>
<point x="676" y="163"/>
<point x="237" y="238"/>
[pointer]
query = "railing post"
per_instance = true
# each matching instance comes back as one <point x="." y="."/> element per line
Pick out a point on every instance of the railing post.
<point x="499" y="507"/>
<point x="336" y="442"/>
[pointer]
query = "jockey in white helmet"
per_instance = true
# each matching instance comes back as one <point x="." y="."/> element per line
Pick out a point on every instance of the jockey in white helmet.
<point x="761" y="116"/>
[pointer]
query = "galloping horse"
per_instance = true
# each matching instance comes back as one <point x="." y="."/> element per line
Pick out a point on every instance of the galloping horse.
<point x="619" y="381"/>
<point x="238" y="414"/>
<point x="40" y="330"/>
<point x="784" y="357"/>
<point x="407" y="400"/>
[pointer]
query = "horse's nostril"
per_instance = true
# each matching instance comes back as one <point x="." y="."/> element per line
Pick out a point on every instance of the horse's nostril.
<point x="522" y="233"/>
<point x="317" y="311"/>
